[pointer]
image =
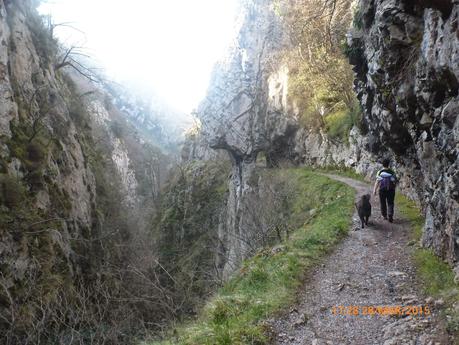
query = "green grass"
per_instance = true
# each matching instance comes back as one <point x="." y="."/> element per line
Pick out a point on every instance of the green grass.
<point x="268" y="282"/>
<point x="436" y="276"/>
<point x="342" y="171"/>
<point x="339" y="123"/>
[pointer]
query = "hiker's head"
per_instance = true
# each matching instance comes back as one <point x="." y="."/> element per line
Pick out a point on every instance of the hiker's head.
<point x="386" y="163"/>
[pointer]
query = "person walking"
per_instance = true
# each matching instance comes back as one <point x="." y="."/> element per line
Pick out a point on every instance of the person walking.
<point x="386" y="182"/>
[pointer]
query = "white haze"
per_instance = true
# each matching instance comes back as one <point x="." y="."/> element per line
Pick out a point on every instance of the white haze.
<point x="166" y="46"/>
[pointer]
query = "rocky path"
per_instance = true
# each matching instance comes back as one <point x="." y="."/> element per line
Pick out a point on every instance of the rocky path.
<point x="370" y="268"/>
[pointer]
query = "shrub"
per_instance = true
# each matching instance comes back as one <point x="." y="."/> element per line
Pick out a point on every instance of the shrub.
<point x="78" y="113"/>
<point x="339" y="123"/>
<point x="117" y="129"/>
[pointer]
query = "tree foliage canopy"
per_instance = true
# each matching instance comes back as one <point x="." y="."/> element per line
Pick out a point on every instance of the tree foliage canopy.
<point x="321" y="79"/>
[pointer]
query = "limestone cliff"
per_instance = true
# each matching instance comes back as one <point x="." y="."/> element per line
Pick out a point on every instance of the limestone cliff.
<point x="406" y="58"/>
<point x="238" y="117"/>
<point x="78" y="184"/>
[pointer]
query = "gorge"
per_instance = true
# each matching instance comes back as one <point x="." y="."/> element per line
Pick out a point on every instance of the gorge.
<point x="107" y="236"/>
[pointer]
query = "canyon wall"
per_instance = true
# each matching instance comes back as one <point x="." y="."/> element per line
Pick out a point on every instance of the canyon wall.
<point x="79" y="180"/>
<point x="238" y="117"/>
<point x="406" y="58"/>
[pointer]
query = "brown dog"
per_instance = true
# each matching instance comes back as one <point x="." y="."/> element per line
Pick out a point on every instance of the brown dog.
<point x="363" y="207"/>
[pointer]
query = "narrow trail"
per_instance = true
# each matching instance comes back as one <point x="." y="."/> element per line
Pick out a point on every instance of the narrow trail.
<point x="371" y="267"/>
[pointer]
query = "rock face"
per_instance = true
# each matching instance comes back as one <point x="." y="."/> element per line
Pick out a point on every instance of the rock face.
<point x="78" y="183"/>
<point x="244" y="114"/>
<point x="406" y="58"/>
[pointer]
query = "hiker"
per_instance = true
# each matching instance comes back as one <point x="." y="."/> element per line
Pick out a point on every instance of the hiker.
<point x="386" y="181"/>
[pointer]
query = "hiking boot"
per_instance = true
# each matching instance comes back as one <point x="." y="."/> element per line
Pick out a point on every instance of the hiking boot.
<point x="391" y="219"/>
<point x="384" y="217"/>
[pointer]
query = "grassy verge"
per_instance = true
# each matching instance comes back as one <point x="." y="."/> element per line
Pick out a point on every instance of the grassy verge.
<point x="436" y="276"/>
<point x="342" y="171"/>
<point x="268" y="282"/>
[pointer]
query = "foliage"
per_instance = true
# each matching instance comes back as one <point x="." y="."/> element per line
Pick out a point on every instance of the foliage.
<point x="357" y="21"/>
<point x="339" y="123"/>
<point x="32" y="154"/>
<point x="321" y="79"/>
<point x="268" y="282"/>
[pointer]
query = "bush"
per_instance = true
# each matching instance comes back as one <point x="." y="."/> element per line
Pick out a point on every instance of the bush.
<point x="357" y="21"/>
<point x="78" y="112"/>
<point x="320" y="77"/>
<point x="339" y="123"/>
<point x="117" y="129"/>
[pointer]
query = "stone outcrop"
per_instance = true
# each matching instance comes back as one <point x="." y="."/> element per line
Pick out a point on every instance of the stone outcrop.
<point x="79" y="179"/>
<point x="406" y="58"/>
<point x="244" y="114"/>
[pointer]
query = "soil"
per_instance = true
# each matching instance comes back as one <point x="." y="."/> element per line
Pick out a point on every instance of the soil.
<point x="372" y="267"/>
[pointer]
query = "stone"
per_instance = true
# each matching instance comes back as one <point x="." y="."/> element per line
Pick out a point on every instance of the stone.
<point x="439" y="302"/>
<point x="277" y="249"/>
<point x="456" y="274"/>
<point x="409" y="298"/>
<point x="426" y="120"/>
<point x="300" y="320"/>
<point x="397" y="274"/>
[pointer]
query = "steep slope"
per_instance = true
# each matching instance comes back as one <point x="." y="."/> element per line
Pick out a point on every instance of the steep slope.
<point x="238" y="118"/>
<point x="315" y="215"/>
<point x="78" y="185"/>
<point x="190" y="217"/>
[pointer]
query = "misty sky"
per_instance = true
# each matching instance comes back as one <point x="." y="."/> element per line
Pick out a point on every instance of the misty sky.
<point x="169" y="46"/>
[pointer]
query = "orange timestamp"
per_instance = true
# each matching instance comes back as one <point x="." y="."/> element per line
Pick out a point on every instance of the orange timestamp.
<point x="385" y="310"/>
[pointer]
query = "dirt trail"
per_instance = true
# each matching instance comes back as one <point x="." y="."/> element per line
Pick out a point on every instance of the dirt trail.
<point x="371" y="267"/>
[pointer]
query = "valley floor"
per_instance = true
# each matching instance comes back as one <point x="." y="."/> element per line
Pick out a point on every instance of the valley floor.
<point x="371" y="267"/>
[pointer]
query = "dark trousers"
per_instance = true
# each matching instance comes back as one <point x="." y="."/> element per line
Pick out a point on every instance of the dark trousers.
<point x="386" y="197"/>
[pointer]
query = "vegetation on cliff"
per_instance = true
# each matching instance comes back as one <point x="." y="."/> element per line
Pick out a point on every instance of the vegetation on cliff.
<point x="320" y="212"/>
<point x="185" y="227"/>
<point x="321" y="79"/>
<point x="74" y="249"/>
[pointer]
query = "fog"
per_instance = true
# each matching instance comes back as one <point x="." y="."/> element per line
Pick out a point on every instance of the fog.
<point x="168" y="47"/>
